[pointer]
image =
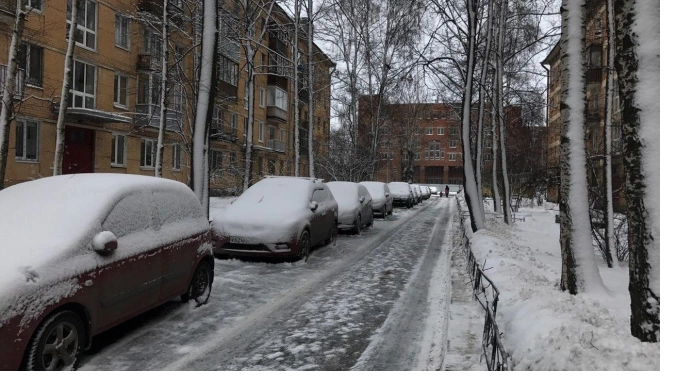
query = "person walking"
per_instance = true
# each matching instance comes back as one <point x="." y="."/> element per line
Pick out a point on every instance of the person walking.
<point x="446" y="190"/>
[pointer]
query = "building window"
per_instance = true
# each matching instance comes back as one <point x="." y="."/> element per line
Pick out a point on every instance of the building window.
<point x="27" y="141"/>
<point x="488" y="140"/>
<point x="262" y="97"/>
<point x="440" y="131"/>
<point x="120" y="90"/>
<point x="384" y="156"/>
<point x="82" y="91"/>
<point x="35" y="5"/>
<point x="452" y="144"/>
<point x="452" y="156"/>
<point x="31" y="61"/>
<point x="216" y="160"/>
<point x="277" y="97"/>
<point x="122" y="32"/>
<point x="227" y="70"/>
<point x="86" y="32"/>
<point x="118" y="149"/>
<point x="176" y="156"/>
<point x="148" y="153"/>
<point x="260" y="131"/>
<point x="434" y="150"/>
<point x="404" y="155"/>
<point x="595" y="56"/>
<point x="218" y="121"/>
<point x="234" y="123"/>
<point x="428" y="131"/>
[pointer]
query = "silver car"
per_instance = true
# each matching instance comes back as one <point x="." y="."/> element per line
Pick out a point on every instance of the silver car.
<point x="354" y="205"/>
<point x="425" y="191"/>
<point x="402" y="194"/>
<point x="417" y="195"/>
<point x="382" y="198"/>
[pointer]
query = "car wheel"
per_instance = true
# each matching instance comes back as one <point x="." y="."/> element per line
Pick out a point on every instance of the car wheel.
<point x="58" y="343"/>
<point x="201" y="284"/>
<point x="357" y="225"/>
<point x="333" y="236"/>
<point x="305" y="246"/>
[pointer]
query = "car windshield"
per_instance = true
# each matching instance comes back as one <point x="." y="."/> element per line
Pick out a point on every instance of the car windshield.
<point x="344" y="192"/>
<point x="375" y="189"/>
<point x="276" y="192"/>
<point x="399" y="187"/>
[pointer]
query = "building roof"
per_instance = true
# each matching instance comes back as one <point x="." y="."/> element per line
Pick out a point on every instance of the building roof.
<point x="553" y="55"/>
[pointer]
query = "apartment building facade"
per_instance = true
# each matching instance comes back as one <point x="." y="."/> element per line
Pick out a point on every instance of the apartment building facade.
<point x="596" y="73"/>
<point x="114" y="103"/>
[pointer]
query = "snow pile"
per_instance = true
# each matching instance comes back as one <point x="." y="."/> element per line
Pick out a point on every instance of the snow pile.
<point x="545" y="328"/>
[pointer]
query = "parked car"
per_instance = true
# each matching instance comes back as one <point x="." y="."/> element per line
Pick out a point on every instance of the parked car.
<point x="277" y="217"/>
<point x="80" y="254"/>
<point x="354" y="205"/>
<point x="382" y="198"/>
<point x="416" y="194"/>
<point x="434" y="191"/>
<point x="402" y="194"/>
<point x="425" y="191"/>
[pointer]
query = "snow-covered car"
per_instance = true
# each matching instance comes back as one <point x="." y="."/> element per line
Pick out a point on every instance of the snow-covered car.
<point x="434" y="191"/>
<point x="402" y="194"/>
<point x="354" y="205"/>
<point x="416" y="193"/>
<point x="382" y="198"/>
<point x="425" y="191"/>
<point x="278" y="217"/>
<point x="80" y="254"/>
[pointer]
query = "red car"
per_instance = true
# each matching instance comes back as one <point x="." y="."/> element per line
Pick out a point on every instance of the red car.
<point x="80" y="254"/>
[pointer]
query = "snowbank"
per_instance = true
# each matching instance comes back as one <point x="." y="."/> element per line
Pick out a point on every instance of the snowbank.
<point x="545" y="328"/>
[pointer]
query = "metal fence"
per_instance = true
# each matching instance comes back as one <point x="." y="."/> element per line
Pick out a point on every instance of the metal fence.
<point x="492" y="349"/>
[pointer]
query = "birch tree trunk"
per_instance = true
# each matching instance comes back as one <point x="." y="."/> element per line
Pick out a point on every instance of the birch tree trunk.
<point x="579" y="268"/>
<point x="638" y="66"/>
<point x="494" y="148"/>
<point x="7" y="112"/>
<point x="204" y="108"/>
<point x="612" y="261"/>
<point x="480" y="114"/>
<point x="160" y="145"/>
<point x="296" y="120"/>
<point x="65" y="90"/>
<point x="507" y="209"/>
<point x="310" y="62"/>
<point x="471" y="195"/>
<point x="250" y="91"/>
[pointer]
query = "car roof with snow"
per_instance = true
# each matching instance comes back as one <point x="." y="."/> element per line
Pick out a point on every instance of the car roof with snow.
<point x="402" y="187"/>
<point x="375" y="188"/>
<point x="345" y="192"/>
<point x="55" y="216"/>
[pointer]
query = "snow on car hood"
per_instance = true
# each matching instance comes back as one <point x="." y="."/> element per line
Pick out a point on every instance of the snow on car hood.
<point x="47" y="227"/>
<point x="400" y="189"/>
<point x="273" y="210"/>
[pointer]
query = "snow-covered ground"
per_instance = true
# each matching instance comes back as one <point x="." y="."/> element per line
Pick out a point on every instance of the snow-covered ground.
<point x="545" y="328"/>
<point x="374" y="301"/>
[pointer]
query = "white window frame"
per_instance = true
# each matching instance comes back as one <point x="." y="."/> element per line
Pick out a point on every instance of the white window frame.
<point x="218" y="120"/>
<point x="212" y="153"/>
<point x="452" y="143"/>
<point x="440" y="131"/>
<point x="114" y="154"/>
<point x="153" y="143"/>
<point x="277" y="97"/>
<point x="260" y="131"/>
<point x="452" y="156"/>
<point x="82" y="28"/>
<point x="176" y="157"/>
<point x="124" y="38"/>
<point x="116" y="94"/>
<point x="38" y="9"/>
<point x="263" y="96"/>
<point x="85" y="95"/>
<point x="233" y="124"/>
<point x="428" y="131"/>
<point x="24" y="124"/>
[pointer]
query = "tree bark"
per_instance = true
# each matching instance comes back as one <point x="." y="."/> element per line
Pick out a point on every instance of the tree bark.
<point x="65" y="90"/>
<point x="160" y="145"/>
<point x="310" y="62"/>
<point x="638" y="64"/>
<point x="7" y="112"/>
<point x="612" y="261"/>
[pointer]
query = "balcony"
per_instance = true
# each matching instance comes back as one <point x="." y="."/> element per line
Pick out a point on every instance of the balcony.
<point x="277" y="45"/>
<point x="594" y="75"/>
<point x="149" y="115"/>
<point x="146" y="61"/>
<point x="228" y="134"/>
<point x="275" y="112"/>
<point x="227" y="91"/>
<point x="19" y="81"/>
<point x="155" y="7"/>
<point x="276" y="145"/>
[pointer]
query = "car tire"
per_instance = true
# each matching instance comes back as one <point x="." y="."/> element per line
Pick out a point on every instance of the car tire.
<point x="201" y="284"/>
<point x="357" y="225"/>
<point x="333" y="237"/>
<point x="58" y="343"/>
<point x="305" y="246"/>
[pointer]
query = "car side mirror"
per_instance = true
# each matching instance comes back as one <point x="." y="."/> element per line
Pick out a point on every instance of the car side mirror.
<point x="387" y="195"/>
<point x="105" y="242"/>
<point x="313" y="205"/>
<point x="362" y="198"/>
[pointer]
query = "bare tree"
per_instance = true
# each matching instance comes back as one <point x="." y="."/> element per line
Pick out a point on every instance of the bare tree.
<point x="638" y="67"/>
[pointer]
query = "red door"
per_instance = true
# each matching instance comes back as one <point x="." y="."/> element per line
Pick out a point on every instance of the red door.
<point x="78" y="151"/>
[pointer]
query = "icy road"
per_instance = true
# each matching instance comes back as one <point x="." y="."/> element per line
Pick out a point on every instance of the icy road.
<point x="371" y="302"/>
